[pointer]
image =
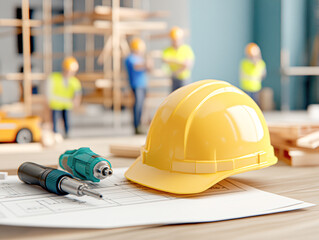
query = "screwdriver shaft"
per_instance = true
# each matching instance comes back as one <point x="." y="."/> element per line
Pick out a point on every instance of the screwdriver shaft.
<point x="92" y="193"/>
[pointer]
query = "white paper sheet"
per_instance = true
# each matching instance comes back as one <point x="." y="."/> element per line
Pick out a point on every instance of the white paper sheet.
<point x="128" y="204"/>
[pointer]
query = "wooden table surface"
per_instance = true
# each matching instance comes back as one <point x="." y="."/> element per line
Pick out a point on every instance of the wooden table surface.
<point x="300" y="183"/>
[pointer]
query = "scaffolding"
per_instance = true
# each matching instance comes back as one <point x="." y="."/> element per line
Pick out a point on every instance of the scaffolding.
<point x="116" y="24"/>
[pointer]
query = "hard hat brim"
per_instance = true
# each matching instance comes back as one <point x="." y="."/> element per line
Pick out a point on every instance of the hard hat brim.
<point x="182" y="183"/>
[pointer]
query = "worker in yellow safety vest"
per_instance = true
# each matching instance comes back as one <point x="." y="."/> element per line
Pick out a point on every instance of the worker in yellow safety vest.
<point x="252" y="71"/>
<point x="64" y="92"/>
<point x="180" y="59"/>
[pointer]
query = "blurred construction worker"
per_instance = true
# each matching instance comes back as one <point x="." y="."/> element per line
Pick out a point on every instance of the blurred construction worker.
<point x="252" y="71"/>
<point x="137" y="66"/>
<point x="64" y="92"/>
<point x="180" y="59"/>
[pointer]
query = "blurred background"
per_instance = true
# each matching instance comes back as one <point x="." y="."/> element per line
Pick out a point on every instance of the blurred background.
<point x="35" y="37"/>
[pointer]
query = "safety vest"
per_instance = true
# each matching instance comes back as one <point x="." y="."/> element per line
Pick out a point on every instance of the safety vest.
<point x="60" y="94"/>
<point x="181" y="54"/>
<point x="251" y="75"/>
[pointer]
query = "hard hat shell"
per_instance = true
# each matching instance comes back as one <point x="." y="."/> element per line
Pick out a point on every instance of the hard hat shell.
<point x="70" y="64"/>
<point x="137" y="44"/>
<point x="252" y="50"/>
<point x="201" y="134"/>
<point x="176" y="33"/>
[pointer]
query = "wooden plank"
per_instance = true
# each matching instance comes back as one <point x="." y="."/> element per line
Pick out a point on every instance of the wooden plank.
<point x="77" y="29"/>
<point x="7" y="22"/>
<point x="128" y="26"/>
<point x="106" y="51"/>
<point x="103" y="83"/>
<point x="77" y="54"/>
<point x="125" y="47"/>
<point x="106" y="94"/>
<point x="128" y="13"/>
<point x="282" y="143"/>
<point x="71" y="16"/>
<point x="15" y="108"/>
<point x="294" y="155"/>
<point x="103" y="14"/>
<point x="292" y="131"/>
<point x="116" y="62"/>
<point x="297" y="158"/>
<point x="27" y="85"/>
<point x="20" y="148"/>
<point x="107" y="101"/>
<point x="85" y="29"/>
<point x="152" y="84"/>
<point x="155" y="83"/>
<point x="20" y="76"/>
<point x="89" y="43"/>
<point x="47" y="37"/>
<point x="93" y="76"/>
<point x="122" y="150"/>
<point x="288" y="147"/>
<point x="309" y="141"/>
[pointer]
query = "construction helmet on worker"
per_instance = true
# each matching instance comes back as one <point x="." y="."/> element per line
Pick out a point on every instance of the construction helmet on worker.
<point x="70" y="64"/>
<point x="137" y="45"/>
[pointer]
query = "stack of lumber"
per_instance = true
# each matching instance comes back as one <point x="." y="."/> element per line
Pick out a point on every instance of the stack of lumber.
<point x="296" y="144"/>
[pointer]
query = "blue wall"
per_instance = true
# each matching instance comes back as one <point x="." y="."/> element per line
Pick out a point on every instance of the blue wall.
<point x="294" y="40"/>
<point x="219" y="32"/>
<point x="267" y="35"/>
<point x="221" y="29"/>
<point x="313" y="29"/>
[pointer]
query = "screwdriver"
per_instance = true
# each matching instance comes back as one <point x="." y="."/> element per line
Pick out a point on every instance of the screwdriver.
<point x="54" y="180"/>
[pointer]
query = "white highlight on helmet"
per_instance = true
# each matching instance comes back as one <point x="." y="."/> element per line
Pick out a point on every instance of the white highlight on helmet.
<point x="246" y="116"/>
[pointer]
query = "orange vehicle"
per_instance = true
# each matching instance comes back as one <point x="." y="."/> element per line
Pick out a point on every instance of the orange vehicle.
<point x="20" y="130"/>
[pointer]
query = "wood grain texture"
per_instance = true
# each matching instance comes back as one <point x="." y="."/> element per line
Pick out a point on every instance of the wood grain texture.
<point x="301" y="183"/>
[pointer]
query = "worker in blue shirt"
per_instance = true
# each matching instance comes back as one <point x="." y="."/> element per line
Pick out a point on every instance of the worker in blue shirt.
<point x="137" y="67"/>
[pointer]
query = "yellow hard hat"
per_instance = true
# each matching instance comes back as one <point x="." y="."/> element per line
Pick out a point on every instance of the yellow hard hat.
<point x="137" y="44"/>
<point x="202" y="133"/>
<point x="176" y="33"/>
<point x="70" y="64"/>
<point x="252" y="50"/>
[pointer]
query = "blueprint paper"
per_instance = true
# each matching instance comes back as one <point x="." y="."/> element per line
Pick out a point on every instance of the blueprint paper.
<point x="128" y="204"/>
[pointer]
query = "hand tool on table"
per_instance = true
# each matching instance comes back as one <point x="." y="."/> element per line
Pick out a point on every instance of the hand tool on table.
<point x="54" y="180"/>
